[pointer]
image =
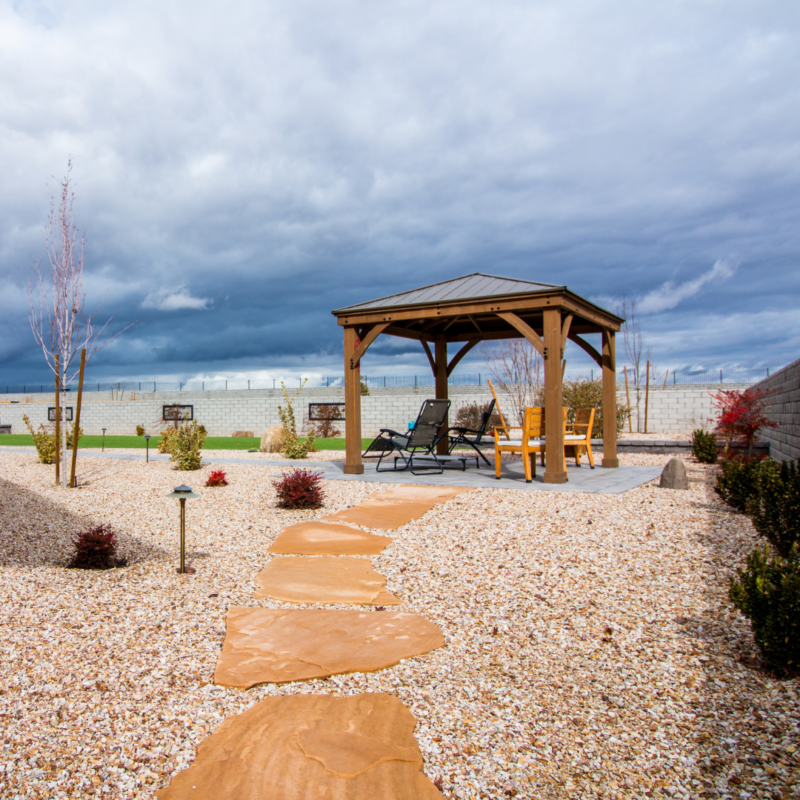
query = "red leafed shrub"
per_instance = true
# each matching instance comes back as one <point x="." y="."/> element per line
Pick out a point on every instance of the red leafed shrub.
<point x="96" y="549"/>
<point x="217" y="478"/>
<point x="300" y="488"/>
<point x="741" y="414"/>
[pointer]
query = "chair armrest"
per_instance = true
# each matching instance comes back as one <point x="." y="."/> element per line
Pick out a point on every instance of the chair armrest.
<point x="395" y="433"/>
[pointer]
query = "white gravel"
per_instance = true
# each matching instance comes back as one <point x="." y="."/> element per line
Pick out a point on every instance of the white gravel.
<point x="591" y="649"/>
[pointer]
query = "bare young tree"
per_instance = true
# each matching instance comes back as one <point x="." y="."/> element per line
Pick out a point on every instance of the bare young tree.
<point x="57" y="316"/>
<point x="633" y="341"/>
<point x="516" y="367"/>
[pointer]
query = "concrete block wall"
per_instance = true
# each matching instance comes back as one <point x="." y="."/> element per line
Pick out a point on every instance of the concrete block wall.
<point x="784" y="408"/>
<point x="671" y="409"/>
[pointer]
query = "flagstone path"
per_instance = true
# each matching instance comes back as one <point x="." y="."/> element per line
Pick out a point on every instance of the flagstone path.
<point x="323" y="579"/>
<point x="310" y="746"/>
<point x="290" y="748"/>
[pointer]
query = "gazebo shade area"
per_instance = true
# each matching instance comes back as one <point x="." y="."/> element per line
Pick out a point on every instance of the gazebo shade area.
<point x="449" y="318"/>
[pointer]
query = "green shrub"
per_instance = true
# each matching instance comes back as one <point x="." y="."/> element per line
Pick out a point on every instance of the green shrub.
<point x="166" y="444"/>
<point x="737" y="481"/>
<point x="44" y="442"/>
<point x="704" y="446"/>
<point x="767" y="592"/>
<point x="295" y="448"/>
<point x="140" y="430"/>
<point x="189" y="440"/>
<point x="589" y="394"/>
<point x="775" y="509"/>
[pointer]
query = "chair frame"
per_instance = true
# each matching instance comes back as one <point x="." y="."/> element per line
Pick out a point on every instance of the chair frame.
<point x="581" y="435"/>
<point x="531" y="442"/>
<point x="417" y="443"/>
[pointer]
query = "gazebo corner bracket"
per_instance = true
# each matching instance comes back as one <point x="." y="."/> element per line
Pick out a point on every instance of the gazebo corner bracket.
<point x="523" y="328"/>
<point x="373" y="334"/>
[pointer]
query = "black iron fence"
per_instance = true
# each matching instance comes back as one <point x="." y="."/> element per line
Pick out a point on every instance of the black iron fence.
<point x="121" y="388"/>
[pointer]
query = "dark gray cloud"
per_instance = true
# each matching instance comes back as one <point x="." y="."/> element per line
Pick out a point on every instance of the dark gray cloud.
<point x="242" y="169"/>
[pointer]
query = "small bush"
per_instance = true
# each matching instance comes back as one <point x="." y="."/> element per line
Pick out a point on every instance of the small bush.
<point x="775" y="508"/>
<point x="300" y="488"/>
<point x="469" y="416"/>
<point x="140" y="430"/>
<point x="96" y="549"/>
<point x="767" y="592"/>
<point x="325" y="424"/>
<point x="295" y="448"/>
<point x="704" y="446"/>
<point x="217" y="478"/>
<point x="166" y="444"/>
<point x="737" y="481"/>
<point x="44" y="442"/>
<point x="189" y="440"/>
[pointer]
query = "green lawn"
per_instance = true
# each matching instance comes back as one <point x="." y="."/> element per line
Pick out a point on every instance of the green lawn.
<point x="212" y="443"/>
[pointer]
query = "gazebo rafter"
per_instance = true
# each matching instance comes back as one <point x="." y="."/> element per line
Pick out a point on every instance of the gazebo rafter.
<point x="477" y="308"/>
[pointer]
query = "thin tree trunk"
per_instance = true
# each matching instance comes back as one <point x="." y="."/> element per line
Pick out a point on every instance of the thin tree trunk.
<point x="58" y="421"/>
<point x="64" y="427"/>
<point x="77" y="423"/>
<point x="646" y="396"/>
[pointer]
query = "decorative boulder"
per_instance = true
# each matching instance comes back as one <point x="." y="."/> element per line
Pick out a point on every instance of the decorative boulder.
<point x="244" y="434"/>
<point x="272" y="440"/>
<point x="674" y="475"/>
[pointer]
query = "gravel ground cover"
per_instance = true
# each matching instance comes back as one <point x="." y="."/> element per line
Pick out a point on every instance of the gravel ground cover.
<point x="590" y="648"/>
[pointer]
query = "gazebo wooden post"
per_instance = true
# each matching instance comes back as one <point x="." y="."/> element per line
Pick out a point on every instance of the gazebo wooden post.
<point x="440" y="377"/>
<point x="553" y="399"/>
<point x="353" y="465"/>
<point x="609" y="400"/>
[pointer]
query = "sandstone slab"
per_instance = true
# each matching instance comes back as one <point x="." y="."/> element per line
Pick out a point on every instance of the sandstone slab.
<point x="267" y="645"/>
<point x="382" y="514"/>
<point x="310" y="746"/>
<point x="324" y="579"/>
<point x="420" y="494"/>
<point x="323" y="539"/>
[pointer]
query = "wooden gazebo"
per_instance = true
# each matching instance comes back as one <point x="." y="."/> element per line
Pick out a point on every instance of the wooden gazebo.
<point x="475" y="308"/>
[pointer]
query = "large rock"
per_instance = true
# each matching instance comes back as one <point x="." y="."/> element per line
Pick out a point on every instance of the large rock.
<point x="272" y="441"/>
<point x="278" y="645"/>
<point x="360" y="747"/>
<point x="674" y="475"/>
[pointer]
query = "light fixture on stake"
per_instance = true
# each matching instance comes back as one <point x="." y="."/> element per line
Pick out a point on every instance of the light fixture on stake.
<point x="147" y="440"/>
<point x="183" y="493"/>
<point x="104" y="440"/>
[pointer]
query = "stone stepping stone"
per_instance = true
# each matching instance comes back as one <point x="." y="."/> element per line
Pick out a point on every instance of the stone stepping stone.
<point x="310" y="746"/>
<point x="267" y="645"/>
<point x="420" y="494"/>
<point x="323" y="580"/>
<point x="382" y="514"/>
<point x="323" y="539"/>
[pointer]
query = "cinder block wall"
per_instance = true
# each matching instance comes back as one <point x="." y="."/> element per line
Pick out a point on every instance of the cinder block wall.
<point x="784" y="408"/>
<point x="671" y="409"/>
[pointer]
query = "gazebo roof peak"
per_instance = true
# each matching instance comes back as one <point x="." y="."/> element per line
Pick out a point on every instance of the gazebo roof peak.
<point x="476" y="286"/>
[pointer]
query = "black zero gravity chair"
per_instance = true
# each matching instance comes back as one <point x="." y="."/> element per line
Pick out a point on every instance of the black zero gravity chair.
<point x="418" y="444"/>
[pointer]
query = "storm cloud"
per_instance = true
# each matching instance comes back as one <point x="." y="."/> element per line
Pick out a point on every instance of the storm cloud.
<point x="241" y="169"/>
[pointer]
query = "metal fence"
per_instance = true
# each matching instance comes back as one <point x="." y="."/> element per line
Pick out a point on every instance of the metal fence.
<point x="668" y="378"/>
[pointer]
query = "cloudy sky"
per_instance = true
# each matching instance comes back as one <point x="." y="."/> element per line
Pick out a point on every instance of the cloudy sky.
<point x="241" y="169"/>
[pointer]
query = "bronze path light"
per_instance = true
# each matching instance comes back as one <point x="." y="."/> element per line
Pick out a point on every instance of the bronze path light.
<point x="183" y="493"/>
<point x="104" y="440"/>
<point x="147" y="440"/>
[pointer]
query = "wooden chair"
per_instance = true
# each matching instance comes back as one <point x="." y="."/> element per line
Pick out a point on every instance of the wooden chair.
<point x="531" y="442"/>
<point x="581" y="435"/>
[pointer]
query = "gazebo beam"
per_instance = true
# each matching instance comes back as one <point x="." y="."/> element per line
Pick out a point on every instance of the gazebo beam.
<point x="460" y="354"/>
<point x="610" y="458"/>
<point x="440" y="376"/>
<point x="586" y="347"/>
<point x="529" y="333"/>
<point x="376" y="331"/>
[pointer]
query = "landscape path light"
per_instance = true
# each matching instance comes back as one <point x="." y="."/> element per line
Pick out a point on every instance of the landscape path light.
<point x="104" y="440"/>
<point x="147" y="441"/>
<point x="183" y="493"/>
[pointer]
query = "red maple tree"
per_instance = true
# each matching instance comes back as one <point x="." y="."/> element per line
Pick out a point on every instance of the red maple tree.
<point x="741" y="414"/>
